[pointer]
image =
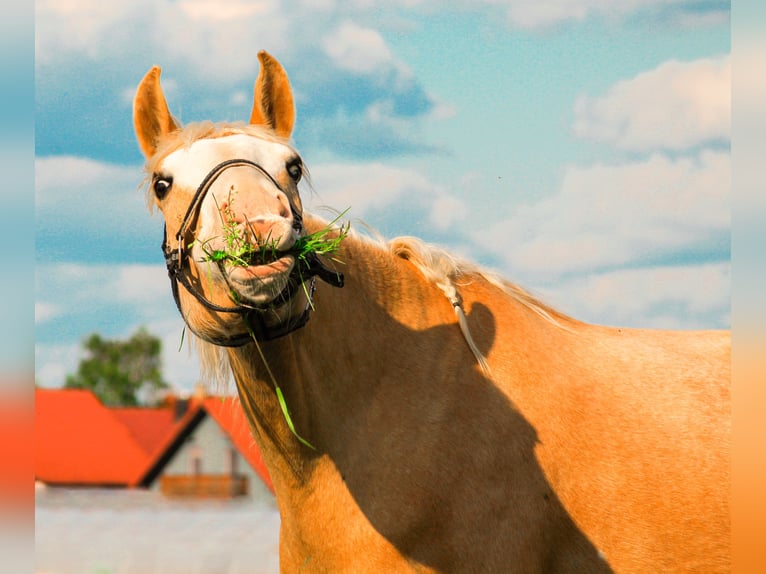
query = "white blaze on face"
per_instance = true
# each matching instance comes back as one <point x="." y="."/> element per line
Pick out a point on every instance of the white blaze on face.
<point x="189" y="166"/>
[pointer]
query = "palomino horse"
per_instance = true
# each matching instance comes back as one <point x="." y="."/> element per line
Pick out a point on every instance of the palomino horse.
<point x="440" y="419"/>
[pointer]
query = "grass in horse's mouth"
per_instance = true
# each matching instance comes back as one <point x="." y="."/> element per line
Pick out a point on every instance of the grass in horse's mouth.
<point x="238" y="251"/>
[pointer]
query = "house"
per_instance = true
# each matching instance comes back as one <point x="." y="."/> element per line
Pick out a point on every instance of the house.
<point x="211" y="452"/>
<point x="196" y="447"/>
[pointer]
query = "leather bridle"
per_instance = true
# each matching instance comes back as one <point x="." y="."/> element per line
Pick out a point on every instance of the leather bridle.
<point x="304" y="273"/>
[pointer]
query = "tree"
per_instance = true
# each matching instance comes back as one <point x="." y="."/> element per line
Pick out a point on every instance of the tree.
<point x="118" y="371"/>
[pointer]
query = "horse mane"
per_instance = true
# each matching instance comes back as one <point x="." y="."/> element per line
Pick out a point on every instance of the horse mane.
<point x="445" y="270"/>
<point x="449" y="272"/>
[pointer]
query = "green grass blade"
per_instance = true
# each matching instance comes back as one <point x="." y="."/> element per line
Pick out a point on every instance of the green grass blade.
<point x="290" y="424"/>
<point x="280" y="396"/>
<point x="183" y="335"/>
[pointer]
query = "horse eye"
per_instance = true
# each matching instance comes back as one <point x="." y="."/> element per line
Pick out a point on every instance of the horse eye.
<point x="162" y="186"/>
<point x="295" y="170"/>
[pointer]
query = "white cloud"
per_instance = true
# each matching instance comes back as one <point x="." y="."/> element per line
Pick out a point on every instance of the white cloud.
<point x="443" y="111"/>
<point x="91" y="205"/>
<point x="533" y="14"/>
<point x="676" y="106"/>
<point x="220" y="39"/>
<point x="89" y="28"/>
<point x="709" y="19"/>
<point x="222" y="11"/>
<point x="446" y="211"/>
<point x="524" y="14"/>
<point x="367" y="188"/>
<point x="612" y="215"/>
<point x="530" y="14"/>
<point x="65" y="288"/>
<point x="62" y="180"/>
<point x="53" y="362"/>
<point x="357" y="49"/>
<point x="139" y="284"/>
<point x="45" y="311"/>
<point x="210" y="39"/>
<point x="688" y="297"/>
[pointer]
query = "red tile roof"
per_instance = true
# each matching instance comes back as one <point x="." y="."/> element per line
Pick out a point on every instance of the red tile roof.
<point x="79" y="441"/>
<point x="148" y="426"/>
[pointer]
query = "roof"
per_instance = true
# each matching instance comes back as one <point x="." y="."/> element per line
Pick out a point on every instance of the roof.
<point x="79" y="441"/>
<point x="147" y="426"/>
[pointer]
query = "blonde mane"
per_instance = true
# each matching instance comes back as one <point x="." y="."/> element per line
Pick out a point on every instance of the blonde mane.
<point x="449" y="272"/>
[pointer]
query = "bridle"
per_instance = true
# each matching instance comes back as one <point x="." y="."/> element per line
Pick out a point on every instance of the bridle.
<point x="306" y="268"/>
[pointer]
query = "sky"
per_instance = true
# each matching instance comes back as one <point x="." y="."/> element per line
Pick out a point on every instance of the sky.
<point x="579" y="147"/>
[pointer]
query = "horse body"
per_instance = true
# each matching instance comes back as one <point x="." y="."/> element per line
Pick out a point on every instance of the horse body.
<point x="585" y="440"/>
<point x="578" y="448"/>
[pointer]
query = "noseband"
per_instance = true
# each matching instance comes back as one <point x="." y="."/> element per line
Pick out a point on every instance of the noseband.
<point x="308" y="268"/>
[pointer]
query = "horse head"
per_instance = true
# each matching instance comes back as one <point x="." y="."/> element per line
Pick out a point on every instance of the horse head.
<point x="229" y="197"/>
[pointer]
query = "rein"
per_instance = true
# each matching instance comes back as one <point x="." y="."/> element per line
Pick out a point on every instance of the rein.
<point x="305" y="269"/>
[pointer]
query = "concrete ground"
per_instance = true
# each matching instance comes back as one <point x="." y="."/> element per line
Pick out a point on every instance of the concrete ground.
<point x="138" y="532"/>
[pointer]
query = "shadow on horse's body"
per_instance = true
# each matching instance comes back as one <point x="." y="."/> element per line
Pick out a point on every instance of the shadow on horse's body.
<point x="578" y="449"/>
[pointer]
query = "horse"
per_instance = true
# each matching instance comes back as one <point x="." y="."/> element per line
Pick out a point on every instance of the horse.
<point x="416" y="412"/>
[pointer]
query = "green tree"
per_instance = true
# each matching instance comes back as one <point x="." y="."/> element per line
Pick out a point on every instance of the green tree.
<point x="118" y="371"/>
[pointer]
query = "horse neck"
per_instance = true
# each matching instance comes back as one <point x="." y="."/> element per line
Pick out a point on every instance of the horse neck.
<point x="359" y="340"/>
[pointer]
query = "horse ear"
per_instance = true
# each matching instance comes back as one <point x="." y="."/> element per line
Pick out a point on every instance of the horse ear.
<point x="151" y="117"/>
<point x="273" y="100"/>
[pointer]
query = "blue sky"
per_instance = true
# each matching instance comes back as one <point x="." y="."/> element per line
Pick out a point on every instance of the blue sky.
<point x="581" y="149"/>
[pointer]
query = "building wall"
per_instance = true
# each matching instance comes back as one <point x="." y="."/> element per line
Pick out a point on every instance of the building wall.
<point x="215" y="453"/>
